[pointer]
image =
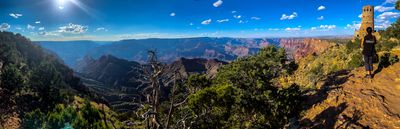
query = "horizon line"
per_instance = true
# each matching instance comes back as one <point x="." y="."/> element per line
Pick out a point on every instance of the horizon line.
<point x="272" y="37"/>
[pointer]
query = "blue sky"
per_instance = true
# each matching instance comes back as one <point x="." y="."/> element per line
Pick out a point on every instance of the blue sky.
<point x="110" y="20"/>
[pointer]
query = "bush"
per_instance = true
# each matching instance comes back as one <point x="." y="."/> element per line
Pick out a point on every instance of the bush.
<point x="313" y="69"/>
<point x="244" y="96"/>
<point x="86" y="117"/>
<point x="34" y="120"/>
<point x="196" y="82"/>
<point x="355" y="60"/>
<point x="386" y="45"/>
<point x="351" y="46"/>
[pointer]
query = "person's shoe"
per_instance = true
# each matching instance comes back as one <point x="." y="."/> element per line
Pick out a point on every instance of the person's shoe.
<point x="367" y="76"/>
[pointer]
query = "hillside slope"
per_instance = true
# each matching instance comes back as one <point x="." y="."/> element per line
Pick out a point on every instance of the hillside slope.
<point x="349" y="100"/>
<point x="120" y="81"/>
<point x="30" y="79"/>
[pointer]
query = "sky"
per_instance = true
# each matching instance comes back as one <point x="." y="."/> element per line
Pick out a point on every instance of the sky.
<point x="112" y="20"/>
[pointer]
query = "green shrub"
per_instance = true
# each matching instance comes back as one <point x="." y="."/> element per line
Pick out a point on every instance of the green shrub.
<point x="34" y="120"/>
<point x="386" y="45"/>
<point x="196" y="82"/>
<point x="351" y="46"/>
<point x="86" y="117"/>
<point x="355" y="60"/>
<point x="244" y="96"/>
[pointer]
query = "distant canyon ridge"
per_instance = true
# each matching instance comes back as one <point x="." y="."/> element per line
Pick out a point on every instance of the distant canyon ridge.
<point x="170" y="50"/>
<point x="114" y="70"/>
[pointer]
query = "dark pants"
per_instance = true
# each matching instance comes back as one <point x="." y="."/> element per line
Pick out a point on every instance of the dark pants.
<point x="368" y="62"/>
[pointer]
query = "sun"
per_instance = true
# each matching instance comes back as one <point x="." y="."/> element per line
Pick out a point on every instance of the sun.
<point x="62" y="3"/>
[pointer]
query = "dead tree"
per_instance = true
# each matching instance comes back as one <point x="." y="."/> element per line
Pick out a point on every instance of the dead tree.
<point x="154" y="97"/>
<point x="171" y="107"/>
<point x="155" y="79"/>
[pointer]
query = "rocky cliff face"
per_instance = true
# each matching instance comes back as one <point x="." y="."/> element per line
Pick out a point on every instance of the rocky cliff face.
<point x="111" y="71"/>
<point x="186" y="67"/>
<point x="116" y="72"/>
<point x="120" y="81"/>
<point x="299" y="48"/>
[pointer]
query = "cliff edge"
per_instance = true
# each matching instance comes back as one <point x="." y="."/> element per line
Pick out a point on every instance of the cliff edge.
<point x="347" y="99"/>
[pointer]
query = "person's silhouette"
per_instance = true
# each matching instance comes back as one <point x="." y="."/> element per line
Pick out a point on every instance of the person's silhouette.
<point x="368" y="45"/>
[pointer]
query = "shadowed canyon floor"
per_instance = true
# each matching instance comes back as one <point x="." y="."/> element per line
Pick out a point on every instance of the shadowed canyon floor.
<point x="356" y="102"/>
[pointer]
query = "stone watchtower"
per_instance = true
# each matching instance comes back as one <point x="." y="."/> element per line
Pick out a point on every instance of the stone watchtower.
<point x="367" y="20"/>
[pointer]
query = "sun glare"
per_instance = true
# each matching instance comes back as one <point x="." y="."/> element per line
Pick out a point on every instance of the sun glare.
<point x="61" y="4"/>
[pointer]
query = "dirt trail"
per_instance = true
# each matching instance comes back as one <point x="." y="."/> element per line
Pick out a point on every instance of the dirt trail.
<point x="357" y="102"/>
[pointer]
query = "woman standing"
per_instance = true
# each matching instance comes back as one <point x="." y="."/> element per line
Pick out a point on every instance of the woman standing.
<point x="368" y="45"/>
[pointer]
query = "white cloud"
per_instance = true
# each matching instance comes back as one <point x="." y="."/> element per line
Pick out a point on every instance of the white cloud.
<point x="48" y="34"/>
<point x="172" y="14"/>
<point x="191" y="24"/>
<point x="15" y="15"/>
<point x="293" y="29"/>
<point x="360" y="16"/>
<point x="289" y="17"/>
<point x="41" y="28"/>
<point x="313" y="28"/>
<point x="323" y="28"/>
<point x="218" y="3"/>
<point x="241" y="21"/>
<point x="101" y="29"/>
<point x="321" y="8"/>
<point x="382" y="25"/>
<point x="4" y="27"/>
<point x="237" y="16"/>
<point x="37" y="22"/>
<point x="30" y="27"/>
<point x="222" y="20"/>
<point x="273" y="29"/>
<point x="388" y="15"/>
<point x="42" y="33"/>
<point x="206" y="22"/>
<point x="327" y="27"/>
<point x="233" y="11"/>
<point x="380" y="8"/>
<point x="255" y="18"/>
<point x="353" y="26"/>
<point x="390" y="1"/>
<point x="73" y="29"/>
<point x="382" y="21"/>
<point x="320" y="18"/>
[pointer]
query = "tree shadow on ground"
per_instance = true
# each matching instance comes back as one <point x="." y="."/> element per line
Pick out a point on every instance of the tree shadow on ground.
<point x="383" y="63"/>
<point x="332" y="82"/>
<point x="352" y="122"/>
<point x="326" y="119"/>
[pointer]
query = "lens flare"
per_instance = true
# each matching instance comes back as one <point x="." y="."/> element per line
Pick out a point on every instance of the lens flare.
<point x="61" y="4"/>
<point x="65" y="5"/>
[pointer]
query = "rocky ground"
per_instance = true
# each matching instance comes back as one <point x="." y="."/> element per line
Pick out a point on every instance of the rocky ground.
<point x="348" y="100"/>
